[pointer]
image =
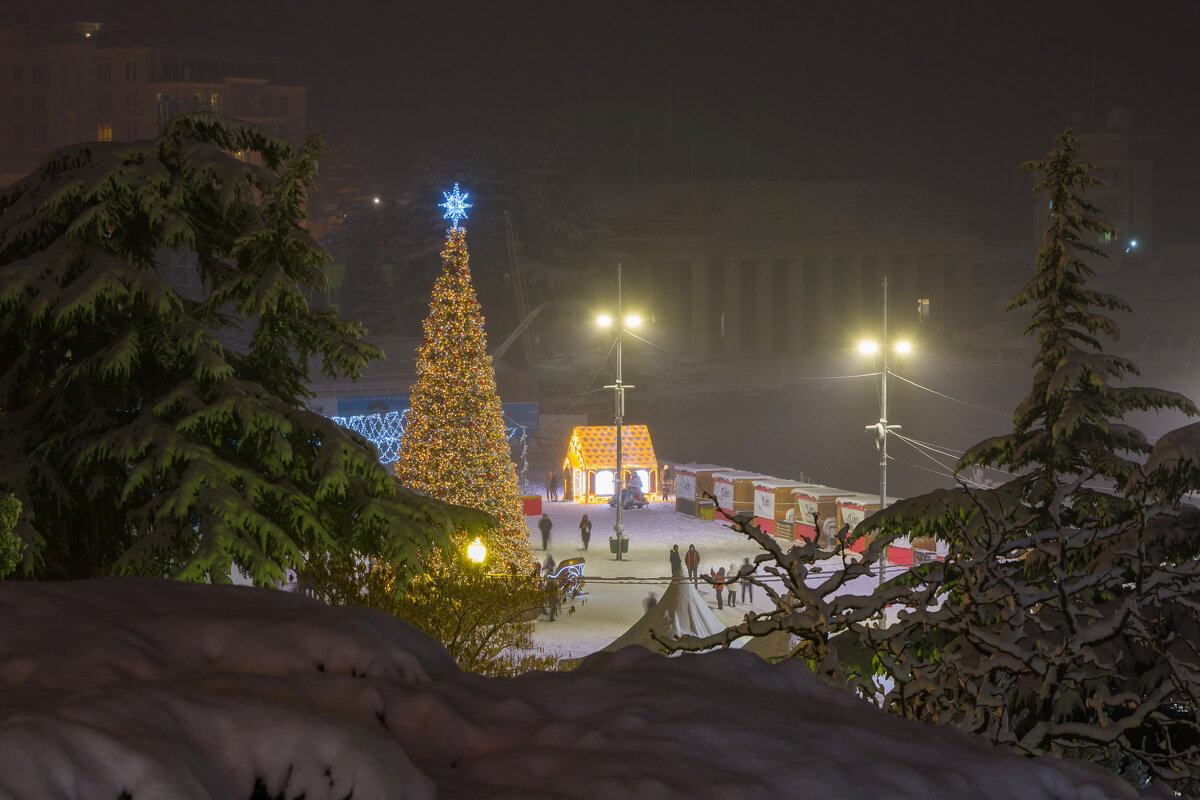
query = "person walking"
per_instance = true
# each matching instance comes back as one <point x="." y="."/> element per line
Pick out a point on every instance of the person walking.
<point x="692" y="560"/>
<point x="747" y="586"/>
<point x="544" y="525"/>
<point x="730" y="587"/>
<point x="718" y="579"/>
<point x="650" y="602"/>
<point x="549" y="484"/>
<point x="585" y="531"/>
<point x="554" y="486"/>
<point x="676" y="566"/>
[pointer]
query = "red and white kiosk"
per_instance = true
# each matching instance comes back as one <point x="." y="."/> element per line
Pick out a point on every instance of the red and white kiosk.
<point x="734" y="490"/>
<point x="816" y="513"/>
<point x="774" y="508"/>
<point x="853" y="509"/>
<point x="691" y="482"/>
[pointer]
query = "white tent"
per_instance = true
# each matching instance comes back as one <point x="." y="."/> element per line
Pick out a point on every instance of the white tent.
<point x="680" y="611"/>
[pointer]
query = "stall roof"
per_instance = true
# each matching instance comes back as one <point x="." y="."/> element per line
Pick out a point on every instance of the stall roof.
<point x="863" y="499"/>
<point x="820" y="491"/>
<point x="739" y="475"/>
<point x="779" y="483"/>
<point x="692" y="469"/>
<point x="595" y="447"/>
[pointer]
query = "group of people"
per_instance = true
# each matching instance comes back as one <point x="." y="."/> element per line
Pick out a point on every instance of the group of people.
<point x="722" y="580"/>
<point x="545" y="525"/>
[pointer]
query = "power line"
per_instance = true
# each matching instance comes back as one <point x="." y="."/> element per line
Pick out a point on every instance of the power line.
<point x="948" y="397"/>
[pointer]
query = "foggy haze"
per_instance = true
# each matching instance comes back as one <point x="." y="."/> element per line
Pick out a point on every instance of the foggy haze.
<point x="948" y="96"/>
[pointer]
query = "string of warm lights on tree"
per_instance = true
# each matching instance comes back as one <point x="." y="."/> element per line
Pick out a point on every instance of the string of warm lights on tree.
<point x="454" y="445"/>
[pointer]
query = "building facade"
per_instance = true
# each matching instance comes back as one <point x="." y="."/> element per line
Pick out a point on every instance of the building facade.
<point x="86" y="82"/>
<point x="773" y="268"/>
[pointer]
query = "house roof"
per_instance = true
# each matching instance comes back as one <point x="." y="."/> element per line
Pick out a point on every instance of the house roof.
<point x="595" y="447"/>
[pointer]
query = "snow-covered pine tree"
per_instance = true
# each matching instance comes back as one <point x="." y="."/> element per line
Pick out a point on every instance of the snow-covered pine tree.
<point x="454" y="445"/>
<point x="135" y="437"/>
<point x="1063" y="620"/>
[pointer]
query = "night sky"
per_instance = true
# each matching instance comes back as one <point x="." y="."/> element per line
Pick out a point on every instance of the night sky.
<point x="950" y="95"/>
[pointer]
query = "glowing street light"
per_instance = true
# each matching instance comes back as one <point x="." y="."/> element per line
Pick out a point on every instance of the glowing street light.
<point x="881" y="429"/>
<point x="477" y="551"/>
<point x="631" y="321"/>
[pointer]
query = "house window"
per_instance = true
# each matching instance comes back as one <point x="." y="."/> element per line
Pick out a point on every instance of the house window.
<point x="130" y="71"/>
<point x="38" y="75"/>
<point x="37" y="105"/>
<point x="266" y="103"/>
<point x="103" y="73"/>
<point x="214" y="98"/>
<point x="18" y="134"/>
<point x="18" y="105"/>
<point x="283" y="104"/>
<point x="104" y="132"/>
<point x="103" y="102"/>
<point x="131" y="102"/>
<point x="131" y="131"/>
<point x="39" y="134"/>
<point x="18" y="74"/>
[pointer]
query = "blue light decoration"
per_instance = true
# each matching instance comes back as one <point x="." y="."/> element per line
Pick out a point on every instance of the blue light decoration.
<point x="386" y="430"/>
<point x="382" y="430"/>
<point x="456" y="206"/>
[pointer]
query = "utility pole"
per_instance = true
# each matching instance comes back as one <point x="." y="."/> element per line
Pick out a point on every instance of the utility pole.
<point x="882" y="429"/>
<point x="619" y="391"/>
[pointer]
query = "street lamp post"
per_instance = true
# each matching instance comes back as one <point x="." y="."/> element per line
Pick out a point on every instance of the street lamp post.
<point x="882" y="428"/>
<point x="619" y="396"/>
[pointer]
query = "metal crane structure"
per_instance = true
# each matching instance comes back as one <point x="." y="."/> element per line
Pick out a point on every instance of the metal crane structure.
<point x="518" y="281"/>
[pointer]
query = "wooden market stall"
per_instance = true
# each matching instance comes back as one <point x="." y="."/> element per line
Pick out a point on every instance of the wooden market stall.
<point x="734" y="490"/>
<point x="691" y="482"/>
<point x="774" y="508"/>
<point x="853" y="509"/>
<point x="817" y="513"/>
<point x="589" y="469"/>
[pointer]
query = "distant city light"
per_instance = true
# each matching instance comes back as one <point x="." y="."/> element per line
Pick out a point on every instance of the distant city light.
<point x="375" y="200"/>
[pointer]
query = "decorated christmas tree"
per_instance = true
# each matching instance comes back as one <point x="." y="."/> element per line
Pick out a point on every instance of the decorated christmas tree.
<point x="454" y="445"/>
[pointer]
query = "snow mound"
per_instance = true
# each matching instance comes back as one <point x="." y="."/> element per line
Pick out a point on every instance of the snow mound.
<point x="158" y="689"/>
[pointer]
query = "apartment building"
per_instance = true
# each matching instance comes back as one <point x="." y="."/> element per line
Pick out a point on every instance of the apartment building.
<point x="80" y="82"/>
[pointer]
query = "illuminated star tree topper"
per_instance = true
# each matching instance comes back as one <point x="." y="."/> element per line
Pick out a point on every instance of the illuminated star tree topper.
<point x="456" y="206"/>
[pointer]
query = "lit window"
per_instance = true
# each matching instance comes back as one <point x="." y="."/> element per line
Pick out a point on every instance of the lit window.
<point x="214" y="98"/>
<point x="104" y="132"/>
<point x="605" y="486"/>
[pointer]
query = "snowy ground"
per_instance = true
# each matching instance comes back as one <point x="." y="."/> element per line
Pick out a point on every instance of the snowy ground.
<point x="144" y="688"/>
<point x="616" y="602"/>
